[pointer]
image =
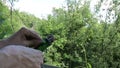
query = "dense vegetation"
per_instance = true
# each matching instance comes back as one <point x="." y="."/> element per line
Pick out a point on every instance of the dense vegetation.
<point x="82" y="39"/>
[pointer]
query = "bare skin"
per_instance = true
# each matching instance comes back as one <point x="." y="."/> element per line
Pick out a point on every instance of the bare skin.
<point x="23" y="37"/>
<point x="14" y="52"/>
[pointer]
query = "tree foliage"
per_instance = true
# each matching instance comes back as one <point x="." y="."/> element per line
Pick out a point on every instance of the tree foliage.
<point x="82" y="40"/>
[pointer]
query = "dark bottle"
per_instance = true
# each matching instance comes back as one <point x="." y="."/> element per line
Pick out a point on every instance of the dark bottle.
<point x="46" y="42"/>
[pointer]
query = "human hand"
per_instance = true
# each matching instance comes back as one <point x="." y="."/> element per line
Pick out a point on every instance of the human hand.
<point x="25" y="37"/>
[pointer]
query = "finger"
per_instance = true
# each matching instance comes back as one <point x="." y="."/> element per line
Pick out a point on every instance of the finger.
<point x="30" y="35"/>
<point x="33" y="43"/>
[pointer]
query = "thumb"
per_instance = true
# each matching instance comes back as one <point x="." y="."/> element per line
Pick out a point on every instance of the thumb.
<point x="33" y="43"/>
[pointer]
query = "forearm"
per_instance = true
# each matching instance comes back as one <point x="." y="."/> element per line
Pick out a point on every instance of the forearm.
<point x="3" y="43"/>
<point x="20" y="57"/>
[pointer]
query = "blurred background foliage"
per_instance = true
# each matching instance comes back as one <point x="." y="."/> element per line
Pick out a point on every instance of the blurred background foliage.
<point x="84" y="38"/>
